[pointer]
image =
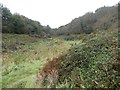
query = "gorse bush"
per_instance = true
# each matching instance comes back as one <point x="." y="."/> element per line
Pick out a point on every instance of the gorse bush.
<point x="89" y="65"/>
<point x="92" y="61"/>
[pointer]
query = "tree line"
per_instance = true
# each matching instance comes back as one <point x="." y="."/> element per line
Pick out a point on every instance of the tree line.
<point x="104" y="18"/>
<point x="19" y="24"/>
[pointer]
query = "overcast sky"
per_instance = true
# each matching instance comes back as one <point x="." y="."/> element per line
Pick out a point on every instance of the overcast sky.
<point x="55" y="12"/>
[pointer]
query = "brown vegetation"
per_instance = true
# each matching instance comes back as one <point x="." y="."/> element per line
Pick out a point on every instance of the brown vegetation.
<point x="50" y="71"/>
<point x="116" y="66"/>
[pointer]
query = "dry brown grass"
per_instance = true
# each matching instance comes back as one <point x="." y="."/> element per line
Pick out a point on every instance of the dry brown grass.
<point x="50" y="71"/>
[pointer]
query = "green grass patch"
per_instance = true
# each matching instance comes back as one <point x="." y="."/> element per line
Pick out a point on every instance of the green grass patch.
<point x="23" y="56"/>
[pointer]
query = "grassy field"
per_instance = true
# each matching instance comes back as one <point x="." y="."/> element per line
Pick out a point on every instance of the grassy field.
<point x="24" y="55"/>
<point x="89" y="57"/>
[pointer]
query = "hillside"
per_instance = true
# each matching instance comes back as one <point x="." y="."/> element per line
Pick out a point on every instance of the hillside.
<point x="82" y="54"/>
<point x="19" y="24"/>
<point x="104" y="18"/>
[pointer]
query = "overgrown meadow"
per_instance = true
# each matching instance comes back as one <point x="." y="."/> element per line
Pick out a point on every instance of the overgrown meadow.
<point x="83" y="61"/>
<point x="24" y="56"/>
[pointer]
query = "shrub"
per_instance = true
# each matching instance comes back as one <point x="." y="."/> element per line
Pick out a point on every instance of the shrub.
<point x="91" y="64"/>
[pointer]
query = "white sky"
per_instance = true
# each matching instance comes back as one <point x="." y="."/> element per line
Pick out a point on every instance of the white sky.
<point x="55" y="12"/>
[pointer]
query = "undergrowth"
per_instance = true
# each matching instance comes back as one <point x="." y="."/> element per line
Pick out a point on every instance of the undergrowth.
<point x="89" y="64"/>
